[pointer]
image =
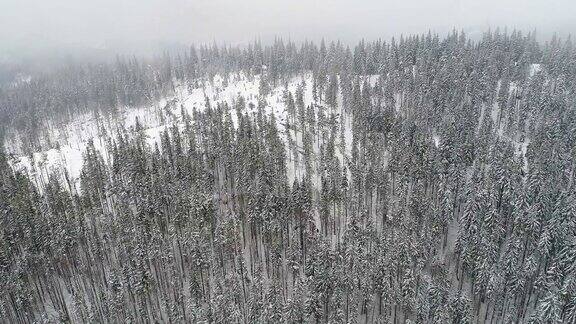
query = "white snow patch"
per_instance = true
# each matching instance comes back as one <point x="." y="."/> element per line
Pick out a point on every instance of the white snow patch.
<point x="436" y="140"/>
<point x="63" y="151"/>
<point x="534" y="68"/>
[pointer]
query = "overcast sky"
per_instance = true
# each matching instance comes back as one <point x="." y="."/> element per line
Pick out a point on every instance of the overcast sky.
<point x="34" y="25"/>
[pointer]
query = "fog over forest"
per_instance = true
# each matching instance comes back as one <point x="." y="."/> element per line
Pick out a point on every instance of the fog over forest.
<point x="33" y="28"/>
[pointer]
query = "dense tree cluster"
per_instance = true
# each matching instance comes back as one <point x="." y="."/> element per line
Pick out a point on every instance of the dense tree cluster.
<point x="433" y="181"/>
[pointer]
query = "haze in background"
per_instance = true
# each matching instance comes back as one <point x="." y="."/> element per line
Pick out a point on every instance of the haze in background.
<point x="34" y="31"/>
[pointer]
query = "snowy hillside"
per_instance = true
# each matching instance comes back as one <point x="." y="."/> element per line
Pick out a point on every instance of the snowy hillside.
<point x="70" y="140"/>
<point x="427" y="180"/>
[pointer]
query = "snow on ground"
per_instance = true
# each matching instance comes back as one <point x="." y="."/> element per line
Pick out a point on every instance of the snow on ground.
<point x="534" y="68"/>
<point x="436" y="139"/>
<point x="65" y="144"/>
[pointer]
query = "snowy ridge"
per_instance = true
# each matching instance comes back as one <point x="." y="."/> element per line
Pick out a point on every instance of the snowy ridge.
<point x="69" y="141"/>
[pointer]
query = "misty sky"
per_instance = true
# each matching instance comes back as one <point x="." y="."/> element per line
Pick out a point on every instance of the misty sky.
<point x="37" y="24"/>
